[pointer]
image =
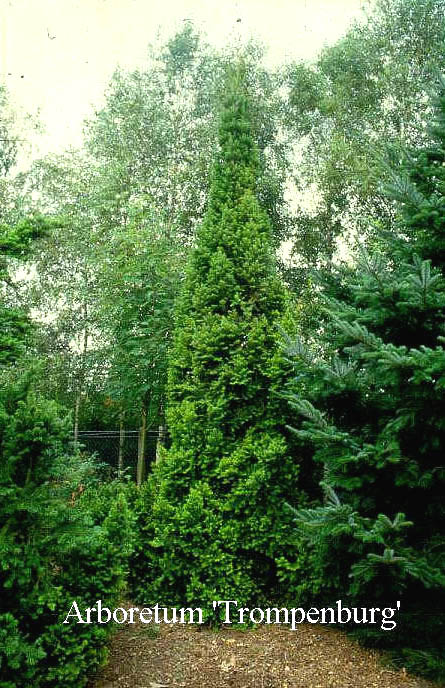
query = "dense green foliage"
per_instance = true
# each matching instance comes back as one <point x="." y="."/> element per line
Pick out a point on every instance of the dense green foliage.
<point x="373" y="403"/>
<point x="138" y="292"/>
<point x="54" y="549"/>
<point x="54" y="546"/>
<point x="218" y="523"/>
<point x="157" y="133"/>
<point x="159" y="296"/>
<point x="14" y="321"/>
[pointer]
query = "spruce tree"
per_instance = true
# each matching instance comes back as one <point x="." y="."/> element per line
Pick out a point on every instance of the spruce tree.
<point x="218" y="527"/>
<point x="374" y="413"/>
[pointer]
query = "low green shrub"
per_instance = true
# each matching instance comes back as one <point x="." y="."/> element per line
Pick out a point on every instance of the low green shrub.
<point x="63" y="538"/>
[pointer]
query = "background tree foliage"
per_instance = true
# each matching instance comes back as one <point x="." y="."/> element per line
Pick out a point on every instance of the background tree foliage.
<point x="137" y="295"/>
<point x="367" y="93"/>
<point x="158" y="130"/>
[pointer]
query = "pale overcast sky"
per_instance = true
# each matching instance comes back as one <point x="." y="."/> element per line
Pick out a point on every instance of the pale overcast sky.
<point x="58" y="55"/>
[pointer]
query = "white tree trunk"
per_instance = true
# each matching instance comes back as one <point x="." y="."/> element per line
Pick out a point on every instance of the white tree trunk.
<point x="160" y="442"/>
<point x="140" y="470"/>
<point x="120" y="458"/>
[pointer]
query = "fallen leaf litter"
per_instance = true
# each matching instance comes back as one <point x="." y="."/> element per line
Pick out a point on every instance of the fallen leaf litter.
<point x="267" y="657"/>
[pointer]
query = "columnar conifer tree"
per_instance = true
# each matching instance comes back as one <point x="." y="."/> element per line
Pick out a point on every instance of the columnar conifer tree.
<point x="218" y="524"/>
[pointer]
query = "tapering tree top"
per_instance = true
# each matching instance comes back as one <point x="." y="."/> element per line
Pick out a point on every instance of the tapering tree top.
<point x="233" y="261"/>
<point x="236" y="169"/>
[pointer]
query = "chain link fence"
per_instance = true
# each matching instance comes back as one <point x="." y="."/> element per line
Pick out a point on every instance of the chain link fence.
<point x="104" y="444"/>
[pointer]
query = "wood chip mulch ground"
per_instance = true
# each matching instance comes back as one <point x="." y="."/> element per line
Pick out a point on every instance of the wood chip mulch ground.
<point x="175" y="656"/>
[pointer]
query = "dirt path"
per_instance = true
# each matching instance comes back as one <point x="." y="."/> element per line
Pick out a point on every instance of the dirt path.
<point x="143" y="656"/>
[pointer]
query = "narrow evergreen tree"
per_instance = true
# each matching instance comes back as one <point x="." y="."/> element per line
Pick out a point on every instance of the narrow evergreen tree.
<point x="374" y="412"/>
<point x="218" y="525"/>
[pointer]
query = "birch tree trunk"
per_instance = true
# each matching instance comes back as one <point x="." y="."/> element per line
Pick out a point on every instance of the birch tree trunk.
<point x="82" y="376"/>
<point x="120" y="458"/>
<point x="160" y="442"/>
<point x="140" y="470"/>
<point x="76" y="418"/>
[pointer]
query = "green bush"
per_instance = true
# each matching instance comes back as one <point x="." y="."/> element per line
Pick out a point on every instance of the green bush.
<point x="63" y="538"/>
<point x="63" y="535"/>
